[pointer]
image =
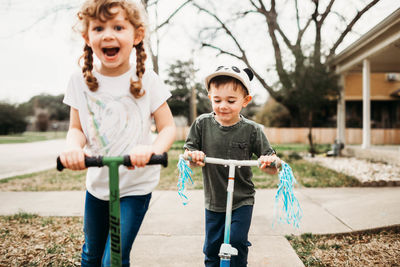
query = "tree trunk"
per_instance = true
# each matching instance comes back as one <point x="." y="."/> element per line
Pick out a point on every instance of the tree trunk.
<point x="296" y="119"/>
<point x="310" y="139"/>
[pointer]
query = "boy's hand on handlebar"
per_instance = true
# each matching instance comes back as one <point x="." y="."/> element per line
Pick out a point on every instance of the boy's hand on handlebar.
<point x="140" y="156"/>
<point x="266" y="161"/>
<point x="73" y="159"/>
<point x="196" y="157"/>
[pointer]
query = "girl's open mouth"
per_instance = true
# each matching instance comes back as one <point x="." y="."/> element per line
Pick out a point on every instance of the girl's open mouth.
<point x="110" y="52"/>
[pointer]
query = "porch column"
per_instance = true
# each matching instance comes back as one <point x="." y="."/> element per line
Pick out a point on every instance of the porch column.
<point x="341" y="112"/>
<point x="366" y="82"/>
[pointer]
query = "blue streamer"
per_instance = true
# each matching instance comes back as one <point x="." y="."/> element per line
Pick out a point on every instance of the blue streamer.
<point x="185" y="176"/>
<point x="291" y="209"/>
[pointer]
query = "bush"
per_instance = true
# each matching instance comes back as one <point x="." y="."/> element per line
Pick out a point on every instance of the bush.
<point x="273" y="114"/>
<point x="11" y="119"/>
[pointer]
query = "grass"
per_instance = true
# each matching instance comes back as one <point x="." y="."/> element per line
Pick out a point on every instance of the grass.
<point x="27" y="137"/>
<point x="50" y="180"/>
<point x="320" y="148"/>
<point x="307" y="175"/>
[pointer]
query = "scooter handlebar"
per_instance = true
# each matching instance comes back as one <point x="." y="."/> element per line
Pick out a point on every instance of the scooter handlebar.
<point x="232" y="161"/>
<point x="161" y="159"/>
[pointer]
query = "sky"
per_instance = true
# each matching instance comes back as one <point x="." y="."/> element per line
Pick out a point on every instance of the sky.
<point x="40" y="50"/>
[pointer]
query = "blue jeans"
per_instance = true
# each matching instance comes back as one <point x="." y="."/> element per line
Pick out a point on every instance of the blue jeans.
<point x="215" y="226"/>
<point x="96" y="249"/>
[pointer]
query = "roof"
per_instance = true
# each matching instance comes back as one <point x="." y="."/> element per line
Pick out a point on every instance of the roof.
<point x="381" y="45"/>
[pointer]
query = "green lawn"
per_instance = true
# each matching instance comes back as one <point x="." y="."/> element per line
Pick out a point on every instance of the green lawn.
<point x="27" y="137"/>
<point x="307" y="175"/>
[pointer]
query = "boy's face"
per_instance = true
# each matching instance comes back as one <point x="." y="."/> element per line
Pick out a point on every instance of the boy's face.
<point x="227" y="103"/>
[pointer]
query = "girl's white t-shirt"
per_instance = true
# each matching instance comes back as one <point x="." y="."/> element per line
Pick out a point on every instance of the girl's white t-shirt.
<point x="114" y="122"/>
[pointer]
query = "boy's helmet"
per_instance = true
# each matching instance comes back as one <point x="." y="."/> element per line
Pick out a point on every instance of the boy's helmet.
<point x="243" y="75"/>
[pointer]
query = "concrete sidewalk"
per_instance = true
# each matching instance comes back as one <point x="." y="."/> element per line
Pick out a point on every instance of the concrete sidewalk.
<point x="173" y="234"/>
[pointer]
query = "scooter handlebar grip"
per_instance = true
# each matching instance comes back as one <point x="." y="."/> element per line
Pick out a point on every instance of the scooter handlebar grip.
<point x="89" y="162"/>
<point x="60" y="166"/>
<point x="154" y="160"/>
<point x="159" y="159"/>
<point x="94" y="161"/>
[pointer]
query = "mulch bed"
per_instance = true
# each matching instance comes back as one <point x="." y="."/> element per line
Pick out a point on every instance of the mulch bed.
<point x="31" y="240"/>
<point x="376" y="247"/>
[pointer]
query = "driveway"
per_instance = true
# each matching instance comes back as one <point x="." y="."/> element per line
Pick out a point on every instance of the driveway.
<point x="18" y="159"/>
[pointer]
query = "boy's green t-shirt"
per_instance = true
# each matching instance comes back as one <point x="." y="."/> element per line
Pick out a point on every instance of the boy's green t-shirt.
<point x="240" y="142"/>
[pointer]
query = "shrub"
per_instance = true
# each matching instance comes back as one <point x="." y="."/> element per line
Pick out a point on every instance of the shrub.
<point x="11" y="119"/>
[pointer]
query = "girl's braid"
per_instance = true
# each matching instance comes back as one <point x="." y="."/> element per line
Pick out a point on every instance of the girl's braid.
<point x="91" y="81"/>
<point x="136" y="86"/>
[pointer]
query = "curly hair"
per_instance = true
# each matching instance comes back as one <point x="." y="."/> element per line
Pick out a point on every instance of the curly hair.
<point x="101" y="10"/>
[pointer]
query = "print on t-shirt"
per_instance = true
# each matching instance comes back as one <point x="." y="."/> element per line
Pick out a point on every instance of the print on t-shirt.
<point x="114" y="124"/>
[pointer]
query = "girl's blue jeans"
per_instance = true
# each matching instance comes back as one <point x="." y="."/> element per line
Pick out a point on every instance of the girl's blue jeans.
<point x="96" y="249"/>
<point x="215" y="226"/>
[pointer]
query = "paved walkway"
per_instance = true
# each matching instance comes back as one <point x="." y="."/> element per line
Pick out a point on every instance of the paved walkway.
<point x="172" y="234"/>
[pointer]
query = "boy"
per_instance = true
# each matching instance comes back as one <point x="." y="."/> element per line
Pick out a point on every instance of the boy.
<point x="226" y="134"/>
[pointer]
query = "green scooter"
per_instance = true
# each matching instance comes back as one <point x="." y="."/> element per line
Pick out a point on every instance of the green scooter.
<point x="113" y="163"/>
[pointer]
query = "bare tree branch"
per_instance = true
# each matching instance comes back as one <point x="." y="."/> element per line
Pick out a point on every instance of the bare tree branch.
<point x="222" y="51"/>
<point x="342" y="18"/>
<point x="271" y="19"/>
<point x="327" y="11"/>
<point x="242" y="57"/>
<point x="284" y="37"/>
<point x="223" y="25"/>
<point x="317" y="41"/>
<point x="254" y="4"/>
<point x="172" y="15"/>
<point x="297" y="14"/>
<point x="155" y="32"/>
<point x="349" y="27"/>
<point x="302" y="31"/>
<point x="43" y="17"/>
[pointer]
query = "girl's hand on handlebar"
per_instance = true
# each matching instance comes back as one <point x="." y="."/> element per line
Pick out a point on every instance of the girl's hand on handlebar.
<point x="196" y="157"/>
<point x="140" y="155"/>
<point x="73" y="159"/>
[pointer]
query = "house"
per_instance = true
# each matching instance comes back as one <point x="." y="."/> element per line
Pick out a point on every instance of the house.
<point x="370" y="79"/>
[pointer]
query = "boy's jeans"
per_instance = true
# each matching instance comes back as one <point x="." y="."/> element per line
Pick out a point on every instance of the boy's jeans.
<point x="215" y="226"/>
<point x="96" y="249"/>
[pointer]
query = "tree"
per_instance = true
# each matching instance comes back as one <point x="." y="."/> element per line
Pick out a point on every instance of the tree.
<point x="301" y="65"/>
<point x="316" y="86"/>
<point x="155" y="39"/>
<point x="181" y="79"/>
<point x="54" y="105"/>
<point x="42" y="121"/>
<point x="12" y="119"/>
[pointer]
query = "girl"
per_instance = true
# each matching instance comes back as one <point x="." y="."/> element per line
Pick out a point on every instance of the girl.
<point x="112" y="105"/>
